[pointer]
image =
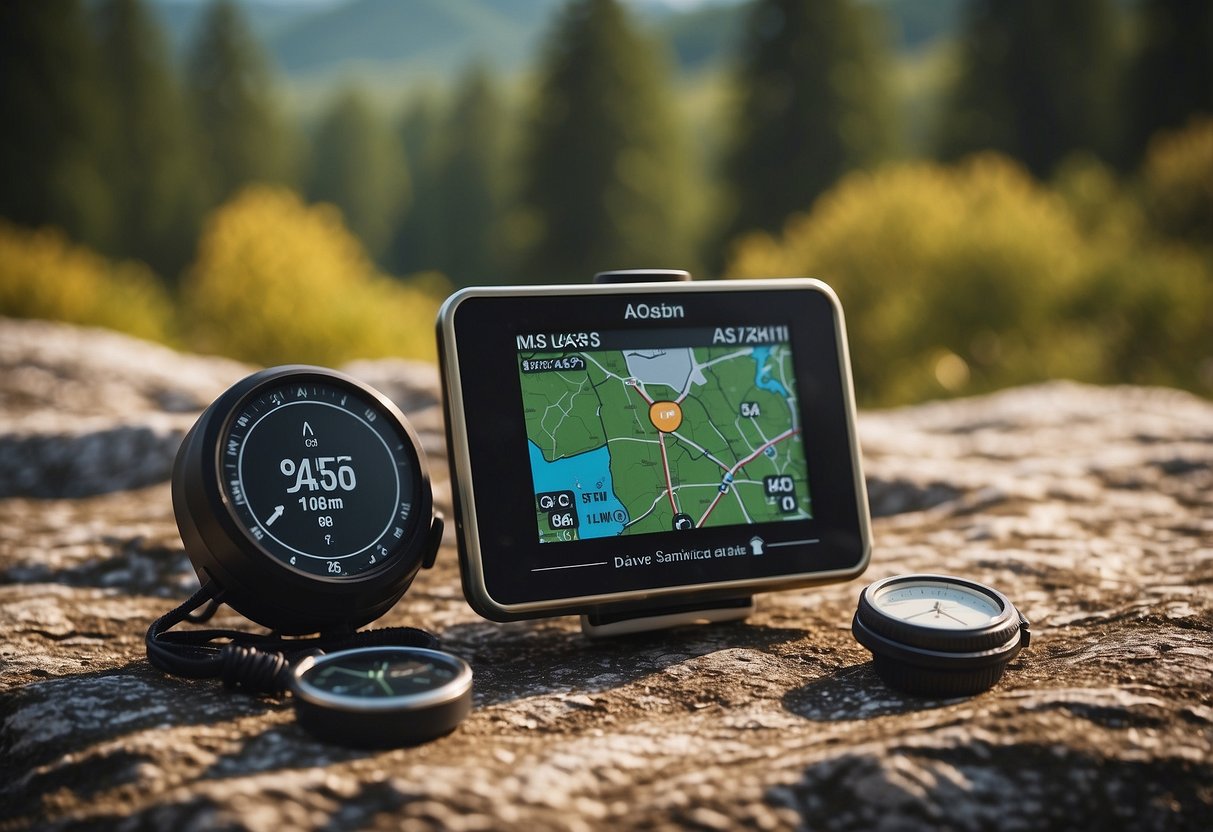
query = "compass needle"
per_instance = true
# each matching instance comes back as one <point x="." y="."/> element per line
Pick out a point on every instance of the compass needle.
<point x="434" y="695"/>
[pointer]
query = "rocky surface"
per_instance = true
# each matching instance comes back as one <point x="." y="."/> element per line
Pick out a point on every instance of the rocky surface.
<point x="1089" y="507"/>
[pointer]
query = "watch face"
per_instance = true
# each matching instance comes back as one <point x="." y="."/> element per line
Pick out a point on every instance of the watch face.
<point x="937" y="604"/>
<point x="379" y="673"/>
<point x="320" y="476"/>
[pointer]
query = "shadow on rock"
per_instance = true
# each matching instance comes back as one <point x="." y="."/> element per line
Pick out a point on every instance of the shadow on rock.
<point x="980" y="786"/>
<point x="523" y="659"/>
<point x="853" y="692"/>
<point x="42" y="722"/>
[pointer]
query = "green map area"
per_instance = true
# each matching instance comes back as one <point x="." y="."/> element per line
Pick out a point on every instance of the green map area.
<point x="629" y="442"/>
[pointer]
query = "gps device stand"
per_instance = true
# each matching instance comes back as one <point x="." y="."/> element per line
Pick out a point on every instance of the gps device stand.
<point x="623" y="619"/>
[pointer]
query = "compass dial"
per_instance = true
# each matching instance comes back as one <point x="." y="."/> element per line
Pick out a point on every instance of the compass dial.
<point x="382" y="696"/>
<point x="937" y="603"/>
<point x="379" y="674"/>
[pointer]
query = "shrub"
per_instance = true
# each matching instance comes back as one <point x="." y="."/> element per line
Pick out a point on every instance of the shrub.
<point x="279" y="281"/>
<point x="951" y="277"/>
<point x="1177" y="183"/>
<point x="43" y="275"/>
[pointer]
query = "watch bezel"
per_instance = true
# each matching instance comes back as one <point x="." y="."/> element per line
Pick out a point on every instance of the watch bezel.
<point x="982" y="637"/>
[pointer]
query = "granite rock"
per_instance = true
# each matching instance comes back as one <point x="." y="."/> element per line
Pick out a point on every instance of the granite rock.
<point x="1090" y="507"/>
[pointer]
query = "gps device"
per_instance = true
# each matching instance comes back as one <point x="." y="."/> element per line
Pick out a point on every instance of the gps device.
<point x="645" y="454"/>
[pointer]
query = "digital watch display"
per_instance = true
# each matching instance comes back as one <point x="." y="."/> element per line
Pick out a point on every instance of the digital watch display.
<point x="633" y="444"/>
<point x="292" y="458"/>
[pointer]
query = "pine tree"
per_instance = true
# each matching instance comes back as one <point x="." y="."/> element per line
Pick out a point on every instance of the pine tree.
<point x="413" y="247"/>
<point x="469" y="185"/>
<point x="814" y="105"/>
<point x="242" y="136"/>
<point x="359" y="166"/>
<point x="602" y="174"/>
<point x="1171" y="77"/>
<point x="150" y="165"/>
<point x="1035" y="81"/>
<point x="54" y="111"/>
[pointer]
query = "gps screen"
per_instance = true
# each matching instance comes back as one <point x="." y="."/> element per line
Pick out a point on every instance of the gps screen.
<point x="635" y="432"/>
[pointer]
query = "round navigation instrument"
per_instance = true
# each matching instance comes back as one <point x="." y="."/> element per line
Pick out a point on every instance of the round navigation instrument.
<point x="938" y="635"/>
<point x="303" y="495"/>
<point x="382" y="696"/>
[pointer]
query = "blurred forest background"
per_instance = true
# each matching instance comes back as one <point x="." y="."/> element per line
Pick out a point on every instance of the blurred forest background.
<point x="1001" y="191"/>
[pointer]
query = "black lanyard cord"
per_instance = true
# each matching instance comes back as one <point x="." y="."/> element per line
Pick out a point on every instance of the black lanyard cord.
<point x="255" y="663"/>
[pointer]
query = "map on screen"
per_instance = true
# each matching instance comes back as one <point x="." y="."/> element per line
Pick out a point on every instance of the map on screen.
<point x="629" y="440"/>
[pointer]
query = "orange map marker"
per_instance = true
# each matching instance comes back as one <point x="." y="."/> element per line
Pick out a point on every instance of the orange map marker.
<point x="665" y="416"/>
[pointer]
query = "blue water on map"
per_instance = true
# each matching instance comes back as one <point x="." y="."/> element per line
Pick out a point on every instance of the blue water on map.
<point x="588" y="476"/>
<point x="762" y="373"/>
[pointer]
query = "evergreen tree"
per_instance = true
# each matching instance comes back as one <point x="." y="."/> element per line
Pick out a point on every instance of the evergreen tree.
<point x="1171" y="78"/>
<point x="602" y="172"/>
<point x="469" y="185"/>
<point x="54" y="109"/>
<point x="359" y="166"/>
<point x="242" y="136"/>
<point x="414" y="245"/>
<point x="1035" y="81"/>
<point x="814" y="105"/>
<point x="150" y="163"/>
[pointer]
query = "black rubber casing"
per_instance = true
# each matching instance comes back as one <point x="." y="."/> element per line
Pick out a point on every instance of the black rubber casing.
<point x="254" y="582"/>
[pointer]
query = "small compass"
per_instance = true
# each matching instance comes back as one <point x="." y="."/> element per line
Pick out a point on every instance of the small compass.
<point x="382" y="697"/>
<point x="936" y="635"/>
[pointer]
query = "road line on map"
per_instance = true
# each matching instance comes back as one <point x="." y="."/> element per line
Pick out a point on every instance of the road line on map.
<point x="665" y="463"/>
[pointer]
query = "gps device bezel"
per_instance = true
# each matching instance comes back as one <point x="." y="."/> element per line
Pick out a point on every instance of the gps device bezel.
<point x="491" y="475"/>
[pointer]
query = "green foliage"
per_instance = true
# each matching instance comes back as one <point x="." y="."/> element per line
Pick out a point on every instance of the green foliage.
<point x="241" y="134"/>
<point x="42" y="275"/>
<point x="1171" y="74"/>
<point x="970" y="278"/>
<point x="150" y="160"/>
<point x="1177" y="183"/>
<point x="468" y="188"/>
<point x="54" y="111"/>
<point x="413" y="247"/>
<point x="603" y="173"/>
<point x="1035" y="81"/>
<point x="813" y="105"/>
<point x="359" y="166"/>
<point x="280" y="281"/>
